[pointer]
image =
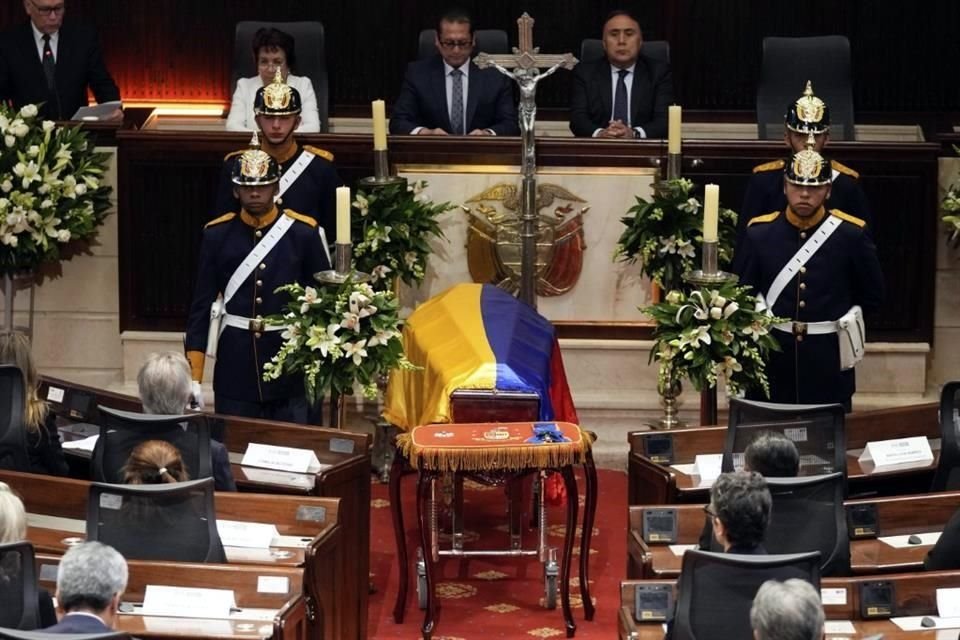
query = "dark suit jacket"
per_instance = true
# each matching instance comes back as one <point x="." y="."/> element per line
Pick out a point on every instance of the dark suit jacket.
<point x="77" y="623"/>
<point x="423" y="100"/>
<point x="946" y="553"/>
<point x="592" y="101"/>
<point x="79" y="65"/>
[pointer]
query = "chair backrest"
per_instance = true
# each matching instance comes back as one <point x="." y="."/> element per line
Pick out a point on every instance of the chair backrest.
<point x="488" y="41"/>
<point x="947" y="477"/>
<point x="787" y="65"/>
<point x="122" y="431"/>
<point x="13" y="442"/>
<point x="591" y="49"/>
<point x="808" y="515"/>
<point x="816" y="429"/>
<point x="308" y="47"/>
<point x="18" y="587"/>
<point x="14" y="634"/>
<point x="717" y="590"/>
<point x="175" y="521"/>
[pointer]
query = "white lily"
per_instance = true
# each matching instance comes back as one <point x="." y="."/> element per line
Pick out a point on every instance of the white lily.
<point x="356" y="351"/>
<point x="685" y="248"/>
<point x="669" y="245"/>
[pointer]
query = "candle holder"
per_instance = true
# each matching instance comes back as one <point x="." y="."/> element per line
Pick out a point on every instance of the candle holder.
<point x="342" y="267"/>
<point x="381" y="172"/>
<point x="674" y="165"/>
<point x="709" y="273"/>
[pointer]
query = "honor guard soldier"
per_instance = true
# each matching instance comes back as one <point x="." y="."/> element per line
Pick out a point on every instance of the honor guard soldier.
<point x="244" y="257"/>
<point x="308" y="181"/>
<point x="809" y="115"/>
<point x="819" y="268"/>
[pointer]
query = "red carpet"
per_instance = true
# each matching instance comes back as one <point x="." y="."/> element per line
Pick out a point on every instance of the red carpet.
<point x="499" y="597"/>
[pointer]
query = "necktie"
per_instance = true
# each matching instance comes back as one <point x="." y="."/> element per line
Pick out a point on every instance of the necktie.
<point x="456" y="103"/>
<point x="620" y="111"/>
<point x="49" y="64"/>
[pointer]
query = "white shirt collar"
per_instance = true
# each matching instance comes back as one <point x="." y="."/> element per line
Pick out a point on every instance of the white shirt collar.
<point x="615" y="70"/>
<point x="465" y="68"/>
<point x="38" y="39"/>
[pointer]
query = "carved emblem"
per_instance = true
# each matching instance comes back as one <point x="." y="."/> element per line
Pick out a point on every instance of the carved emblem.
<point x="493" y="237"/>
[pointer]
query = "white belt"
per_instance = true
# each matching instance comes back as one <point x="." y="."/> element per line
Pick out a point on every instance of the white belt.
<point x="252" y="324"/>
<point x="808" y="328"/>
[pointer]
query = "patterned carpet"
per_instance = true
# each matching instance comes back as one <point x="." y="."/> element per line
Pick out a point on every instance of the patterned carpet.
<point x="484" y="598"/>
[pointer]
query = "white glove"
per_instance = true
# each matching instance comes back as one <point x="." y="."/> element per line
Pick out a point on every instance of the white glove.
<point x="196" y="396"/>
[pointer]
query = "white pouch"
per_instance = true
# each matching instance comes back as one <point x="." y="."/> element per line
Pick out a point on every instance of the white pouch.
<point x="852" y="337"/>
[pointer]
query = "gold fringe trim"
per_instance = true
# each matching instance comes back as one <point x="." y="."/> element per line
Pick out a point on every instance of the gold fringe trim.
<point x="505" y="457"/>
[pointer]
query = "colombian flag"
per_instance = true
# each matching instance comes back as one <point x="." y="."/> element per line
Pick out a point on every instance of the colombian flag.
<point x="476" y="336"/>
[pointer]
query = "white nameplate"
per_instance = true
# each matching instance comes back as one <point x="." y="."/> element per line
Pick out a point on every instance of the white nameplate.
<point x="273" y="584"/>
<point x="85" y="444"/>
<point x="948" y="603"/>
<point x="187" y="602"/>
<point x="885" y="453"/>
<point x="55" y="394"/>
<point x="255" y="535"/>
<point x="833" y="596"/>
<point x="840" y="627"/>
<point x="680" y="549"/>
<point x="707" y="466"/>
<point x="281" y="458"/>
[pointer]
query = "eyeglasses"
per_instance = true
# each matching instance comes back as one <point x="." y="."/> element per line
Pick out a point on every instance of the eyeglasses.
<point x="456" y="44"/>
<point x="48" y="11"/>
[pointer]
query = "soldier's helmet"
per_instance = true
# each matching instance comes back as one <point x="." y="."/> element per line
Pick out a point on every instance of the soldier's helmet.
<point x="808" y="168"/>
<point x="277" y="98"/>
<point x="255" y="167"/>
<point x="808" y="114"/>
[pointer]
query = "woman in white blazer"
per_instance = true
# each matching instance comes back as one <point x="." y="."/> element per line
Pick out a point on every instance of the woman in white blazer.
<point x="272" y="49"/>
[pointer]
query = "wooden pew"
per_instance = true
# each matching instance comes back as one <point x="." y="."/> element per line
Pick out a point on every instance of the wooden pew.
<point x="274" y="616"/>
<point x="651" y="482"/>
<point x="900" y="515"/>
<point x="915" y="595"/>
<point x="57" y="511"/>
<point x="346" y="475"/>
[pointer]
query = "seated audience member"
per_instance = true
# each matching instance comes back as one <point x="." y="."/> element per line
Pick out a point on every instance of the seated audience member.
<point x="739" y="511"/>
<point x="13" y="528"/>
<point x="165" y="386"/>
<point x="478" y="101"/>
<point x="91" y="580"/>
<point x="43" y="439"/>
<point x="272" y="49"/>
<point x="154" y="462"/>
<point x="946" y="553"/>
<point x="625" y="94"/>
<point x="789" y="610"/>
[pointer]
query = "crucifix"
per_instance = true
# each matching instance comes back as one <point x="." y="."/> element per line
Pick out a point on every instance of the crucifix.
<point x="524" y="67"/>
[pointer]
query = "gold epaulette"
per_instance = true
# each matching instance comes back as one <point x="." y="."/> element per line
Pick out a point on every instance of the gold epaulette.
<point x="317" y="151"/>
<point x="773" y="165"/>
<point x="224" y="218"/>
<point x="233" y="154"/>
<point x="849" y="218"/>
<point x="769" y="217"/>
<point x="842" y="168"/>
<point x="299" y="216"/>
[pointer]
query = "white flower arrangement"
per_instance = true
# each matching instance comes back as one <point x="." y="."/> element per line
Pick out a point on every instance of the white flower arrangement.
<point x="51" y="189"/>
<point x="950" y="205"/>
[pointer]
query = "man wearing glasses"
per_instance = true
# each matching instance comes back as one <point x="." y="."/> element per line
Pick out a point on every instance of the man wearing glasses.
<point x="447" y="94"/>
<point x="47" y="61"/>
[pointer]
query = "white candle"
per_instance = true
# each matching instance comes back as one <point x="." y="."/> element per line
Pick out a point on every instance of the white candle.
<point x="673" y="129"/>
<point x="343" y="215"/>
<point x="379" y="125"/>
<point x="711" y="212"/>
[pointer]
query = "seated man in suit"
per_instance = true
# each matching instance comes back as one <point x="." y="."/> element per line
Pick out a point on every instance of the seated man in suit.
<point x="788" y="610"/>
<point x="91" y="580"/>
<point x="46" y="61"/>
<point x="624" y="95"/>
<point x="739" y="511"/>
<point x="166" y="388"/>
<point x="448" y="94"/>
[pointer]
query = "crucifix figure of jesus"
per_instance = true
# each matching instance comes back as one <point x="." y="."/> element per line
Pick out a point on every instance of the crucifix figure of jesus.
<point x="524" y="67"/>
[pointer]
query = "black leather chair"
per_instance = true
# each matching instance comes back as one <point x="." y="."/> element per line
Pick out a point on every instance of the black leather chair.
<point x="591" y="49"/>
<point x="808" y="515"/>
<point x="310" y="52"/>
<point x="817" y="430"/>
<point x="13" y="634"/>
<point x="947" y="477"/>
<point x="717" y="590"/>
<point x="122" y="431"/>
<point x="488" y="41"/>
<point x="18" y="587"/>
<point x="175" y="521"/>
<point x="13" y="442"/>
<point x="787" y="65"/>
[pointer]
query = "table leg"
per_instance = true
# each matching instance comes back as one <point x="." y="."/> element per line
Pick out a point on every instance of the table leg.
<point x="424" y="486"/>
<point x="570" y="481"/>
<point x="589" y="516"/>
<point x="396" y="509"/>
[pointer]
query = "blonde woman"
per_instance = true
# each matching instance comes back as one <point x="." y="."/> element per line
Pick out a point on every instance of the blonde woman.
<point x="13" y="528"/>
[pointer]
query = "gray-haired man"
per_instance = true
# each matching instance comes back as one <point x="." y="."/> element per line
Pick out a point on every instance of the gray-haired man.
<point x="788" y="610"/>
<point x="91" y="580"/>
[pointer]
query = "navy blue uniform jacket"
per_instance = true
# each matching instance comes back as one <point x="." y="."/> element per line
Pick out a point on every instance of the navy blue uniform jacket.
<point x="423" y="100"/>
<point x="845" y="271"/>
<point x="241" y="354"/>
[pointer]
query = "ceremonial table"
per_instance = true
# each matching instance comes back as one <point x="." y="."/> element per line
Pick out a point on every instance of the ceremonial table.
<point x="498" y="452"/>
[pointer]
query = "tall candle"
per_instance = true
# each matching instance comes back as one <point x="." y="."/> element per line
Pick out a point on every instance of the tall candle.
<point x="673" y="128"/>
<point x="343" y="215"/>
<point x="711" y="212"/>
<point x="379" y="125"/>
